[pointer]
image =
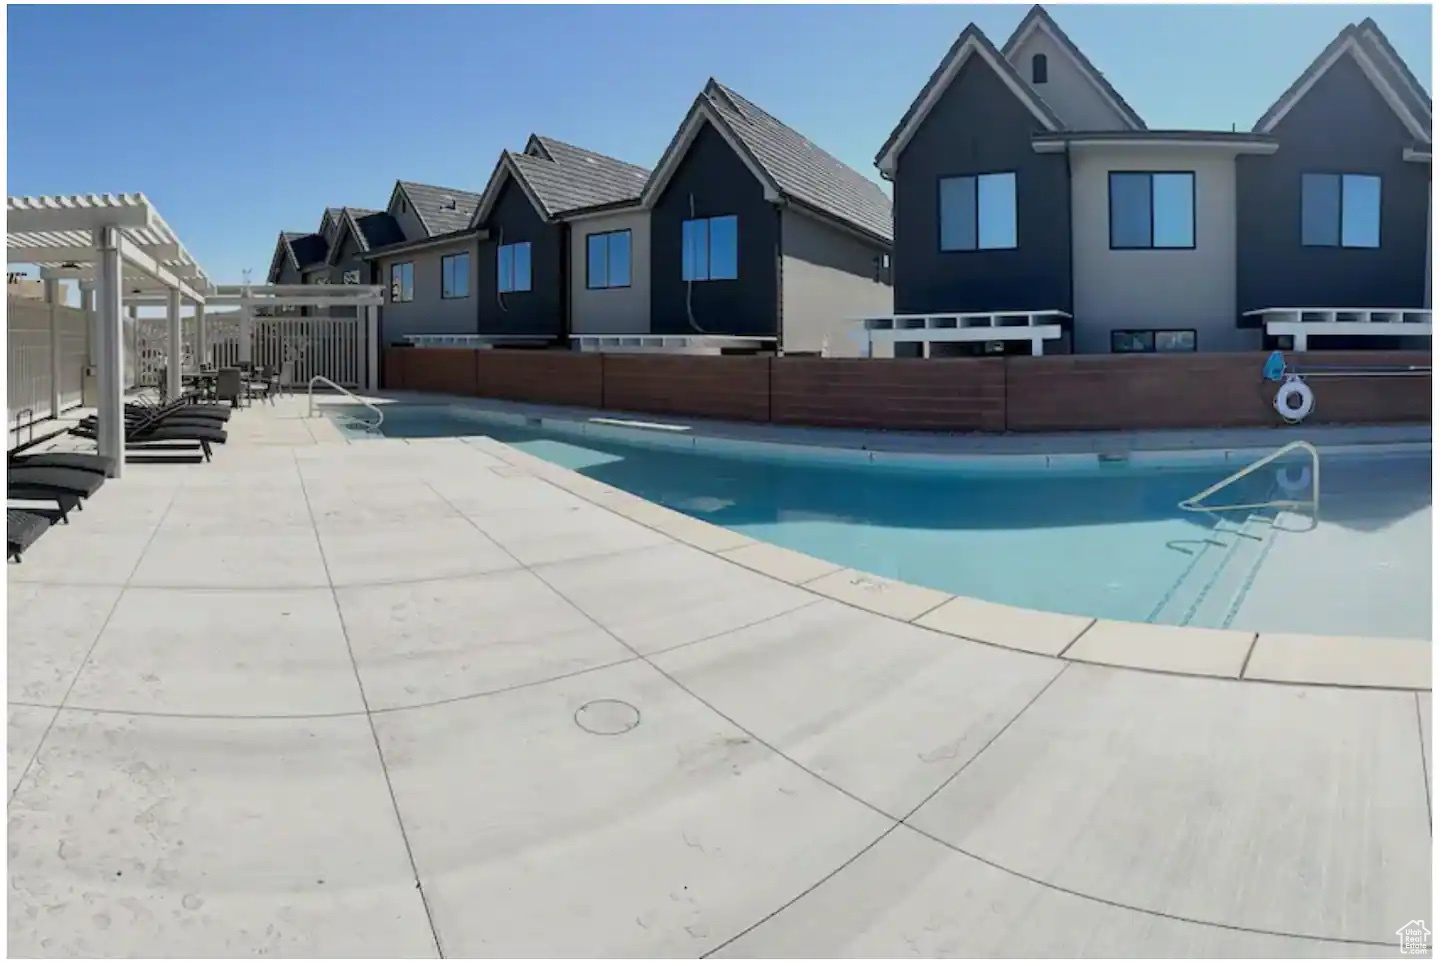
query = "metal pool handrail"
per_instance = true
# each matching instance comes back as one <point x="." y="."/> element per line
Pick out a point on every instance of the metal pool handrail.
<point x="1191" y="504"/>
<point x="310" y="391"/>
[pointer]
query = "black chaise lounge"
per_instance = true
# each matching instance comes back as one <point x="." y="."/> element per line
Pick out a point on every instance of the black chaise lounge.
<point x="162" y="432"/>
<point x="66" y="487"/>
<point x="78" y="460"/>
<point x="22" y="529"/>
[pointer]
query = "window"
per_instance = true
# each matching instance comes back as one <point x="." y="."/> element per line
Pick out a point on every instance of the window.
<point x="1039" y="69"/>
<point x="607" y="260"/>
<point x="977" y="212"/>
<point x="1151" y="342"/>
<point x="402" y="282"/>
<point x="1339" y="210"/>
<point x="710" y="249"/>
<point x="1152" y="211"/>
<point x="350" y="277"/>
<point x="455" y="276"/>
<point x="514" y="267"/>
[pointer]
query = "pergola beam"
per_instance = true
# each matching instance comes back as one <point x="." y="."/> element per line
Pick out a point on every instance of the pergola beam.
<point x="77" y="212"/>
<point x="135" y="256"/>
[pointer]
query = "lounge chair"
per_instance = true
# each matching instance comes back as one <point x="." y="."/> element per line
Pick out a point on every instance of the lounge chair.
<point x="162" y="434"/>
<point x="22" y="529"/>
<point x="66" y="487"/>
<point x="78" y="460"/>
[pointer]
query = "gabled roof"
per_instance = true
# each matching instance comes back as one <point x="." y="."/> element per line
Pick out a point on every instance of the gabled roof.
<point x="787" y="164"/>
<point x="971" y="42"/>
<point x="1366" y="45"/>
<point x="561" y="179"/>
<point x="283" y="249"/>
<point x="440" y="210"/>
<point x="1389" y="58"/>
<point x="368" y="228"/>
<point x="1039" y="19"/>
<point x="301" y="250"/>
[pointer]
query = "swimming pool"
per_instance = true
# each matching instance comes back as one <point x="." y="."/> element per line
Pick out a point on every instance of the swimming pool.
<point x="1075" y="535"/>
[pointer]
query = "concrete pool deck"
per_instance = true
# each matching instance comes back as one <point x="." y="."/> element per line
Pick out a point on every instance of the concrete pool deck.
<point x="394" y="698"/>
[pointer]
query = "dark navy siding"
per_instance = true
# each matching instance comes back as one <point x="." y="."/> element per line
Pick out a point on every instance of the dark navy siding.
<point x="1342" y="125"/>
<point x="718" y="182"/>
<point x="980" y="127"/>
<point x="541" y="310"/>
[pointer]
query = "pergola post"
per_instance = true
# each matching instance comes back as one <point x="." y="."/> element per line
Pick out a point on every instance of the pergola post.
<point x="52" y="299"/>
<point x="202" y="354"/>
<point x="175" y="347"/>
<point x="92" y="330"/>
<point x="372" y="347"/>
<point x="110" y="418"/>
<point x="135" y="343"/>
<point x="245" y="325"/>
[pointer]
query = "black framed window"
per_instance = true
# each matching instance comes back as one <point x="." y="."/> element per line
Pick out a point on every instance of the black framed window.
<point x="402" y="282"/>
<point x="1039" y="69"/>
<point x="455" y="275"/>
<point x="1152" y="210"/>
<point x="978" y="212"/>
<point x="710" y="249"/>
<point x="1340" y="210"/>
<point x="514" y="268"/>
<point x="1142" y="341"/>
<point x="607" y="260"/>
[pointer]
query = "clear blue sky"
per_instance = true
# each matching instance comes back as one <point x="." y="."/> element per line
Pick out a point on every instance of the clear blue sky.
<point x="242" y="121"/>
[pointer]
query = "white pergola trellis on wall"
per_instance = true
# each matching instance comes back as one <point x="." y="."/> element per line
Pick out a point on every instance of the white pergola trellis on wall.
<point x="111" y="245"/>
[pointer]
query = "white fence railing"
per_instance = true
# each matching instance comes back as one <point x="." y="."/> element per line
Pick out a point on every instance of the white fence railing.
<point x="29" y="366"/>
<point x="301" y="348"/>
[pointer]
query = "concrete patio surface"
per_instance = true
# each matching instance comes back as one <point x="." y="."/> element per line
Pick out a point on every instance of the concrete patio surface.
<point x="400" y="698"/>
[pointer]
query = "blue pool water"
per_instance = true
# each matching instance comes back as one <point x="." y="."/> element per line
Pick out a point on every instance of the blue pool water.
<point x="1106" y="540"/>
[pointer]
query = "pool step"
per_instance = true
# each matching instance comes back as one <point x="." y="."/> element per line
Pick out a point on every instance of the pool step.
<point x="1231" y="546"/>
<point x="1221" y="597"/>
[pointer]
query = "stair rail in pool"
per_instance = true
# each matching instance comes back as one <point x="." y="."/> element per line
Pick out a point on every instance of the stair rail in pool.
<point x="1192" y="504"/>
<point x="379" y="415"/>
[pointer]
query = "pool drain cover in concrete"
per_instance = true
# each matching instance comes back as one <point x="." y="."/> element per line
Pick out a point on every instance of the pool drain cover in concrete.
<point x="607" y="717"/>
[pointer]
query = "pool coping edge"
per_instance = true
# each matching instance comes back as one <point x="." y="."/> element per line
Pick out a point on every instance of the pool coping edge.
<point x="1390" y="664"/>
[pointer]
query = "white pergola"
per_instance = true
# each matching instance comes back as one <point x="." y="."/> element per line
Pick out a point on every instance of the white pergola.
<point x="109" y="244"/>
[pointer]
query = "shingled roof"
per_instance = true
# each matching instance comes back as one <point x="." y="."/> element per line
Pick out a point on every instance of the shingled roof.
<point x="802" y="170"/>
<point x="564" y="179"/>
<point x="440" y="210"/>
<point x="300" y="249"/>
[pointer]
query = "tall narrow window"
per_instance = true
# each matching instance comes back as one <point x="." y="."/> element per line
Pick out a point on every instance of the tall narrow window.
<point x="709" y="249"/>
<point x="1340" y="210"/>
<point x="1152" y="210"/>
<point x="1039" y="69"/>
<point x="514" y="268"/>
<point x="402" y="282"/>
<point x="455" y="276"/>
<point x="607" y="260"/>
<point x="978" y="213"/>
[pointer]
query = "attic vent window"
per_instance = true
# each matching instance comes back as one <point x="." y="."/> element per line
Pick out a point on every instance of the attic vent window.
<point x="1039" y="69"/>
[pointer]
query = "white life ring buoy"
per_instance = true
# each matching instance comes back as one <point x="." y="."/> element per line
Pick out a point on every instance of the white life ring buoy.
<point x="1289" y="484"/>
<point x="1294" y="401"/>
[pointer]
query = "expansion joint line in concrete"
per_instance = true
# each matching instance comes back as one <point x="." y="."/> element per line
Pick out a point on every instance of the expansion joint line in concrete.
<point x="370" y="721"/>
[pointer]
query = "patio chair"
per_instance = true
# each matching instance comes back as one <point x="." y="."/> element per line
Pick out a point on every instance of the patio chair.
<point x="78" y="460"/>
<point x="66" y="487"/>
<point x="22" y="530"/>
<point x="229" y="386"/>
<point x="174" y="432"/>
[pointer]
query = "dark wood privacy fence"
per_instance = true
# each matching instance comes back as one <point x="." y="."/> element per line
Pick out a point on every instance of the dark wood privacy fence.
<point x="1059" y="393"/>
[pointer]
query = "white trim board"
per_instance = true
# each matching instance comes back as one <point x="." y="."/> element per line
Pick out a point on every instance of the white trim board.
<point x="702" y="112"/>
<point x="1040" y="20"/>
<point x="1351" y="45"/>
<point x="976" y="42"/>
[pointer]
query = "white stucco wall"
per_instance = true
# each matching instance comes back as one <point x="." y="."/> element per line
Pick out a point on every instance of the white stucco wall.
<point x="611" y="310"/>
<point x="828" y="280"/>
<point x="1071" y="94"/>
<point x="1149" y="289"/>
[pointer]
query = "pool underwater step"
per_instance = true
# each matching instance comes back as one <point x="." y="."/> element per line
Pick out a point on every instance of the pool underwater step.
<point x="1206" y="592"/>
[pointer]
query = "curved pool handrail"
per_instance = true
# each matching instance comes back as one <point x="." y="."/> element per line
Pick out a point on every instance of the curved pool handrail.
<point x="310" y="391"/>
<point x="1191" y="504"/>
